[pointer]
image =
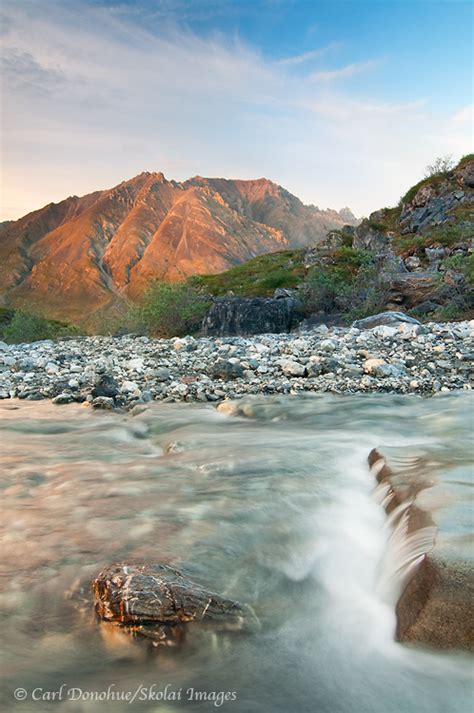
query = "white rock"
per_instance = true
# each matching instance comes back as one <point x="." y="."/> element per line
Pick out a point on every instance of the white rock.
<point x="383" y="331"/>
<point x="136" y="364"/>
<point x="327" y="345"/>
<point x="129" y="387"/>
<point x="292" y="368"/>
<point x="371" y="364"/>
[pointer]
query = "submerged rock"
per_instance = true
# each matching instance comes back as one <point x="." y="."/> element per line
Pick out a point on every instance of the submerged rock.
<point x="157" y="602"/>
<point x="430" y="506"/>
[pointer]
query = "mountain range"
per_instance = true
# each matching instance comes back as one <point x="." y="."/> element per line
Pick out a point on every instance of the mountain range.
<point x="74" y="257"/>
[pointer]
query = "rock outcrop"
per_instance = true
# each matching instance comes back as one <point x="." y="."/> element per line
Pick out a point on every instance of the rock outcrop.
<point x="259" y="315"/>
<point x="428" y="498"/>
<point x="411" y="242"/>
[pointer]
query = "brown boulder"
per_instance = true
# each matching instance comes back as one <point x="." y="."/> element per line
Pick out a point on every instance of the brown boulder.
<point x="410" y="288"/>
<point x="431" y="506"/>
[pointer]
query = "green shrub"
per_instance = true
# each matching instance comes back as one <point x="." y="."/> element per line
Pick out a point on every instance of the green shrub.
<point x="441" y="166"/>
<point x="448" y="313"/>
<point x="171" y="309"/>
<point x="468" y="158"/>
<point x="367" y="294"/>
<point x="447" y="236"/>
<point x="350" y="258"/>
<point x="321" y="288"/>
<point x="429" y="181"/>
<point x="463" y="264"/>
<point x="353" y="287"/>
<point x="440" y="171"/>
<point x="29" y="327"/>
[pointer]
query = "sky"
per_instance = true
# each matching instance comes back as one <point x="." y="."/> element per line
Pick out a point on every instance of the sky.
<point x="342" y="103"/>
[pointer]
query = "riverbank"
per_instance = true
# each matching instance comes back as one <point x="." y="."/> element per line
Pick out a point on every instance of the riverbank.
<point x="110" y="372"/>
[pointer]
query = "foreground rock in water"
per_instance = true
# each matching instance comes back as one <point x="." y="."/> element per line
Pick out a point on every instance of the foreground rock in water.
<point x="432" y="562"/>
<point x="157" y="602"/>
<point x="107" y="372"/>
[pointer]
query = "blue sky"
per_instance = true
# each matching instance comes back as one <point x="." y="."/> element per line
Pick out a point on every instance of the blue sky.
<point x="343" y="103"/>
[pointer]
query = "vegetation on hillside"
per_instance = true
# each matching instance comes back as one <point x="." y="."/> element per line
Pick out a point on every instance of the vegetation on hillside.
<point x="257" y="277"/>
<point x="445" y="236"/>
<point x="170" y="309"/>
<point x="18" y="326"/>
<point x="442" y="165"/>
<point x="348" y="282"/>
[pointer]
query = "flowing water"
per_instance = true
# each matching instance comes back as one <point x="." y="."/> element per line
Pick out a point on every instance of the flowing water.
<point x="274" y="507"/>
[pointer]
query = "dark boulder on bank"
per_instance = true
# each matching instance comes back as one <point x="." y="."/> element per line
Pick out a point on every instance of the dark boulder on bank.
<point x="259" y="315"/>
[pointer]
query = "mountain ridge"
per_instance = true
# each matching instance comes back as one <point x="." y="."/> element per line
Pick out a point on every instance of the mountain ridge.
<point x="85" y="252"/>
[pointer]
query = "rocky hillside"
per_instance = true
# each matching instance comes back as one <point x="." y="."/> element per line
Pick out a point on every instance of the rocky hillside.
<point x="424" y="246"/>
<point x="417" y="257"/>
<point x="74" y="257"/>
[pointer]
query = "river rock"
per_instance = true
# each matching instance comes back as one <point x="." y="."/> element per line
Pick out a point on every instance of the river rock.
<point x="292" y="368"/>
<point x="430" y="501"/>
<point x="225" y="370"/>
<point x="216" y="368"/>
<point x="107" y="387"/>
<point x="157" y="602"/>
<point x="370" y="365"/>
<point x="384" y="318"/>
<point x="63" y="398"/>
<point x="103" y="402"/>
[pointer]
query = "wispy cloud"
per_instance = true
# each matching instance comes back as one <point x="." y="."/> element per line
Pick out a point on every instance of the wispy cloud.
<point x="92" y="96"/>
<point x="308" y="56"/>
<point x="350" y="70"/>
<point x="465" y="115"/>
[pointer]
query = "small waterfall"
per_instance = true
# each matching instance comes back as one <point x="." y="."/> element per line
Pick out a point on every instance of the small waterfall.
<point x="405" y="549"/>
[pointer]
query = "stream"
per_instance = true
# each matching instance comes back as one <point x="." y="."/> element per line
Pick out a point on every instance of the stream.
<point x="273" y="506"/>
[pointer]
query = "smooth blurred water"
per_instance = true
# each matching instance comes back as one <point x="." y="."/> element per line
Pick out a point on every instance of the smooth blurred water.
<point x="273" y="507"/>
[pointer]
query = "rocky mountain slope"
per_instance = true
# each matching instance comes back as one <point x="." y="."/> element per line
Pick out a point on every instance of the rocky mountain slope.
<point x="424" y="246"/>
<point x="77" y="256"/>
<point x="417" y="257"/>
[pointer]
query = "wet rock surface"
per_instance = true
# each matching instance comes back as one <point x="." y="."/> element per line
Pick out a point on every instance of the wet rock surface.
<point x="157" y="602"/>
<point x="429" y="502"/>
<point x="125" y="371"/>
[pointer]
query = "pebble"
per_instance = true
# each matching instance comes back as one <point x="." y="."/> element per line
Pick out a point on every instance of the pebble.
<point x="127" y="371"/>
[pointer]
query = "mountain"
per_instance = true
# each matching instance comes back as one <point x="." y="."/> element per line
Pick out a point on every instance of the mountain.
<point x="71" y="258"/>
